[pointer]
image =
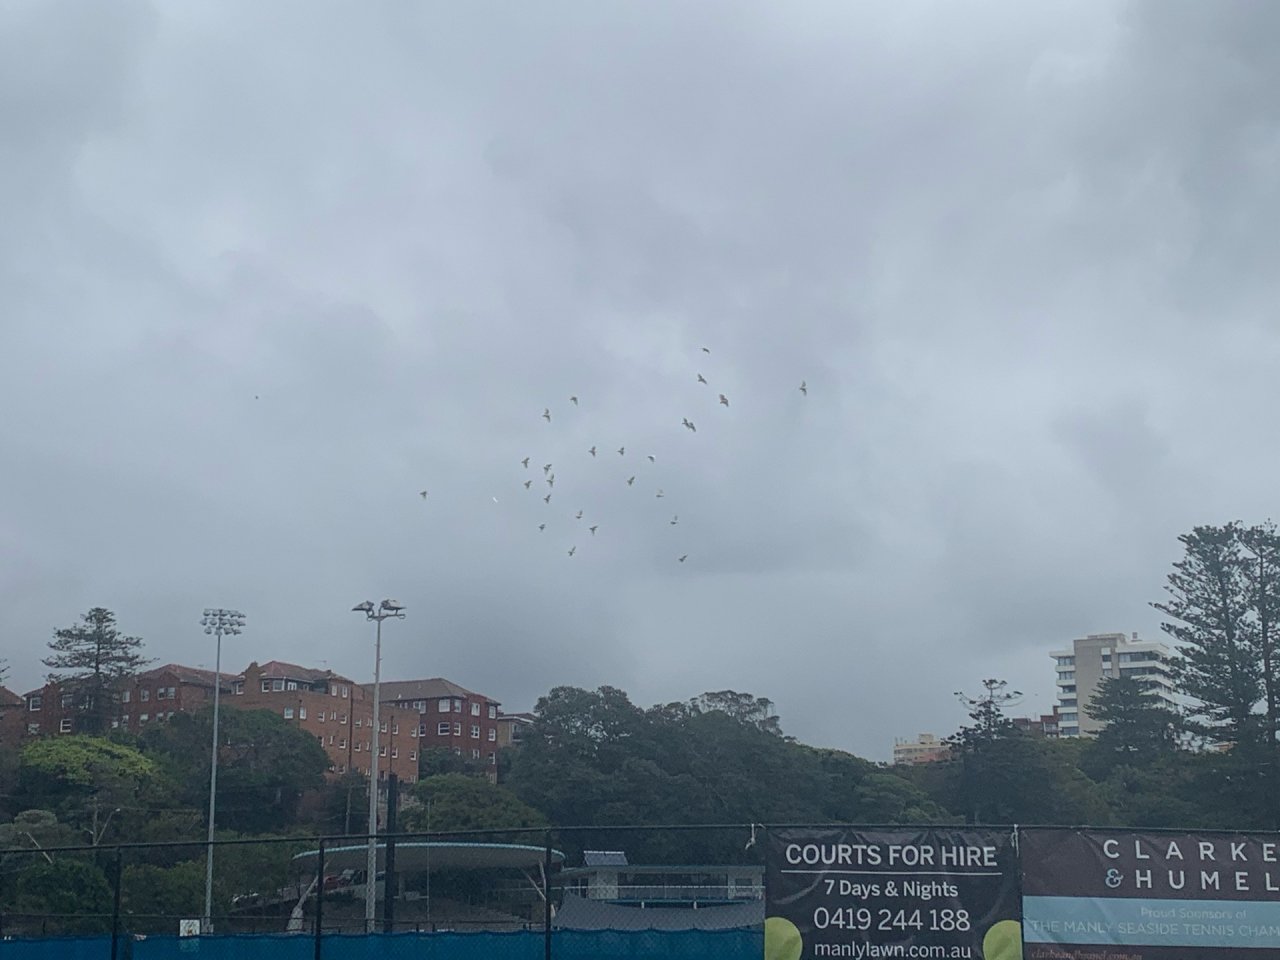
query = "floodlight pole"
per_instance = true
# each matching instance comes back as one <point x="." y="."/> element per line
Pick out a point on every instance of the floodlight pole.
<point x="216" y="621"/>
<point x="388" y="608"/>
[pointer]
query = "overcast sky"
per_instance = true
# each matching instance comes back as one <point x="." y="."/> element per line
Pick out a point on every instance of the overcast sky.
<point x="269" y="270"/>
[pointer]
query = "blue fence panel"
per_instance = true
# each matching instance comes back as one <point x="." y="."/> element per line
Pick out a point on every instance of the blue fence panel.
<point x="341" y="946"/>
<point x="518" y="945"/>
<point x="514" y="945"/>
<point x="657" y="944"/>
<point x="240" y="946"/>
<point x="57" y="948"/>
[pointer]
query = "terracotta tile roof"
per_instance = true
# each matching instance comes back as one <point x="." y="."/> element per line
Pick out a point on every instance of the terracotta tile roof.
<point x="183" y="673"/>
<point x="291" y="671"/>
<point x="429" y="689"/>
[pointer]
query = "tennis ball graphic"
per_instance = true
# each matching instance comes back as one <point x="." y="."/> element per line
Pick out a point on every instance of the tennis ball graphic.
<point x="782" y="939"/>
<point x="1002" y="942"/>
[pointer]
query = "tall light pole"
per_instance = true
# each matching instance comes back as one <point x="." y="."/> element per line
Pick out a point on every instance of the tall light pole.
<point x="388" y="608"/>
<point x="217" y="622"/>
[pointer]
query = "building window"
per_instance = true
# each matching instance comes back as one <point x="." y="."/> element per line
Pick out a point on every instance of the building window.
<point x="333" y="714"/>
<point x="237" y="688"/>
<point x="395" y="728"/>
<point x="342" y="718"/>
<point x="342" y="744"/>
<point x="457" y="729"/>
<point x="382" y="726"/>
<point x="321" y="716"/>
<point x="457" y="706"/>
<point x="344" y="691"/>
<point x="493" y="759"/>
<point x="359" y="723"/>
<point x="124" y="697"/>
<point x="356" y="746"/>
<point x="288" y="715"/>
<point x="413" y="754"/>
<point x="35" y="702"/>
<point x="420" y="705"/>
<point x="442" y="728"/>
<point x="1066" y="661"/>
<point x="266" y="688"/>
<point x="1066" y="674"/>
<point x="475" y="754"/>
<point x="331" y="739"/>
<point x="493" y="734"/>
<point x="170" y="714"/>
<point x="124" y="721"/>
<point x="277" y="685"/>
<point x="64" y="725"/>
<point x="144" y="696"/>
<point x="33" y="728"/>
<point x="444" y="705"/>
<point x="67" y="700"/>
<point x="320" y="739"/>
<point x="292" y="685"/>
<point x="302" y="713"/>
<point x="475" y="709"/>
<point x="457" y="751"/>
<point x="342" y="768"/>
<point x="144" y="717"/>
<point x="395" y="752"/>
<point x="475" y="731"/>
<point x="115" y="724"/>
<point x="493" y="712"/>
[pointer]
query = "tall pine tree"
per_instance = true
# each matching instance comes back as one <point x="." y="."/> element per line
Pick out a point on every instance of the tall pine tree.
<point x="1139" y="729"/>
<point x="1261" y="545"/>
<point x="89" y="660"/>
<point x="1214" y="621"/>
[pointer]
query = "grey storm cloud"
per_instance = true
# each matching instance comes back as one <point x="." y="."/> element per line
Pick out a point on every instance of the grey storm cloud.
<point x="268" y="271"/>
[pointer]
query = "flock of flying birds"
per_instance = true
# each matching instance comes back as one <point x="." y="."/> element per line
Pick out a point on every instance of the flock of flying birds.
<point x="549" y="477"/>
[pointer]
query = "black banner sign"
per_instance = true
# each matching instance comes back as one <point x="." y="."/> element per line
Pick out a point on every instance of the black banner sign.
<point x="845" y="892"/>
<point x="1149" y="896"/>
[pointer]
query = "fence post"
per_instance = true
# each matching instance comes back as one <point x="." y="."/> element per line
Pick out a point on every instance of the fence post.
<point x="389" y="863"/>
<point x="546" y="899"/>
<point x="118" y="873"/>
<point x="319" y="900"/>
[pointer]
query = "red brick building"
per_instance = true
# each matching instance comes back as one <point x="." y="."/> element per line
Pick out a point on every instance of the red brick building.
<point x="12" y="719"/>
<point x="335" y="710"/>
<point x="53" y="708"/>
<point x="415" y="715"/>
<point x="446" y="715"/>
<point x="154" y="696"/>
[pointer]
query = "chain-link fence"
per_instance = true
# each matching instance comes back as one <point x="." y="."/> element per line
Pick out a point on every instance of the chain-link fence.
<point x="671" y="892"/>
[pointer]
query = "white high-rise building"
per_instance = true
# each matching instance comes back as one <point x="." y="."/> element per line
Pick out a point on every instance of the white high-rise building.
<point x="1089" y="659"/>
